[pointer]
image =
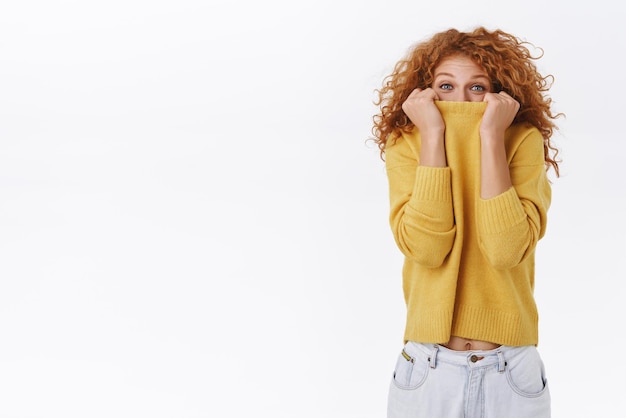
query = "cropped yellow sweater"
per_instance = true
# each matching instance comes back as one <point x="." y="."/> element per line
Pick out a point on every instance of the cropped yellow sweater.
<point x="469" y="262"/>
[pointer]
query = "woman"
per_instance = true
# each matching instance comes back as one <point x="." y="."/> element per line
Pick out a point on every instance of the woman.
<point x="464" y="129"/>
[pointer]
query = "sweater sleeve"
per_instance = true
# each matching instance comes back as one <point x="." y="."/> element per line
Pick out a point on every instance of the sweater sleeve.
<point x="511" y="224"/>
<point x="421" y="215"/>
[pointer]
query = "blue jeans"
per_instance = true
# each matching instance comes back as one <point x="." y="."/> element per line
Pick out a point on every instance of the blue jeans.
<point x="432" y="381"/>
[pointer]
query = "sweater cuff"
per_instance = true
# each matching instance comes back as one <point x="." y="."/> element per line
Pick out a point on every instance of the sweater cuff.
<point x="432" y="184"/>
<point x="500" y="213"/>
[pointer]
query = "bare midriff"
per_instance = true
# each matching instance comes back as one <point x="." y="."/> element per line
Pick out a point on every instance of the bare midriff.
<point x="464" y="344"/>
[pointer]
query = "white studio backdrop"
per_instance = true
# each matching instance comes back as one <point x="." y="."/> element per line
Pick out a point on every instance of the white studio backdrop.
<point x="192" y="223"/>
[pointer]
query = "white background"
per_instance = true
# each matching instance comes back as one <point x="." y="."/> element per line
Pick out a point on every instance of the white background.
<point x="192" y="223"/>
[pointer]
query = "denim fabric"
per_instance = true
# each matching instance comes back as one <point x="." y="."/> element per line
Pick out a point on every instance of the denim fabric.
<point x="432" y="381"/>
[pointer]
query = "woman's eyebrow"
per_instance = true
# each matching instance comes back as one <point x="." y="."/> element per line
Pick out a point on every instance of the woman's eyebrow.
<point x="475" y="76"/>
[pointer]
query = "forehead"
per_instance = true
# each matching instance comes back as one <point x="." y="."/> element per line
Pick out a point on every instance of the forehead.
<point x="459" y="65"/>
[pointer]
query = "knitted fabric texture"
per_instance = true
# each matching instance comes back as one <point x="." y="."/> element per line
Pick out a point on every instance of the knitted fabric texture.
<point x="469" y="263"/>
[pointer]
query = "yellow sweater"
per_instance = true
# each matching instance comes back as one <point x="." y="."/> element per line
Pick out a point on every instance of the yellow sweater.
<point x="469" y="262"/>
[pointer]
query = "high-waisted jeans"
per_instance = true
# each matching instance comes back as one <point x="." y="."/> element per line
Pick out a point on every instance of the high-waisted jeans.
<point x="435" y="382"/>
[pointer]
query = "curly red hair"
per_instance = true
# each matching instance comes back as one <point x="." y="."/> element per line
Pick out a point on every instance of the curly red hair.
<point x="508" y="63"/>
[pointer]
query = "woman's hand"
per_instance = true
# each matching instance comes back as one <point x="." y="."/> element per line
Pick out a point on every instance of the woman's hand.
<point x="421" y="109"/>
<point x="500" y="113"/>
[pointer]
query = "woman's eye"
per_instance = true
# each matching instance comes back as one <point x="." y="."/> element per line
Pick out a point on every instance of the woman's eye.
<point x="445" y="86"/>
<point x="477" y="87"/>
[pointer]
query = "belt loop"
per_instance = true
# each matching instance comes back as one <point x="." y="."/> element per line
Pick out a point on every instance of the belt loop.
<point x="432" y="360"/>
<point x="501" y="362"/>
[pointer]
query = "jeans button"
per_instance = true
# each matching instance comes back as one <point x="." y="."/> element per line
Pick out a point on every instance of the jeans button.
<point x="475" y="358"/>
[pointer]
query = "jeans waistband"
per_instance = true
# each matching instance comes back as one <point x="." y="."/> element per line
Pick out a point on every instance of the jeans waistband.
<point x="435" y="354"/>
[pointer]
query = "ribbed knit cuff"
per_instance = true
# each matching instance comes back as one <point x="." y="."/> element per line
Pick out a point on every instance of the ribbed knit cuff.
<point x="432" y="183"/>
<point x="500" y="213"/>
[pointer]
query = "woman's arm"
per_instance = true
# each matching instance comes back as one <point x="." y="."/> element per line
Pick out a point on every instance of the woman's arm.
<point x="494" y="169"/>
<point x="421" y="109"/>
<point x="511" y="223"/>
<point x="421" y="212"/>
